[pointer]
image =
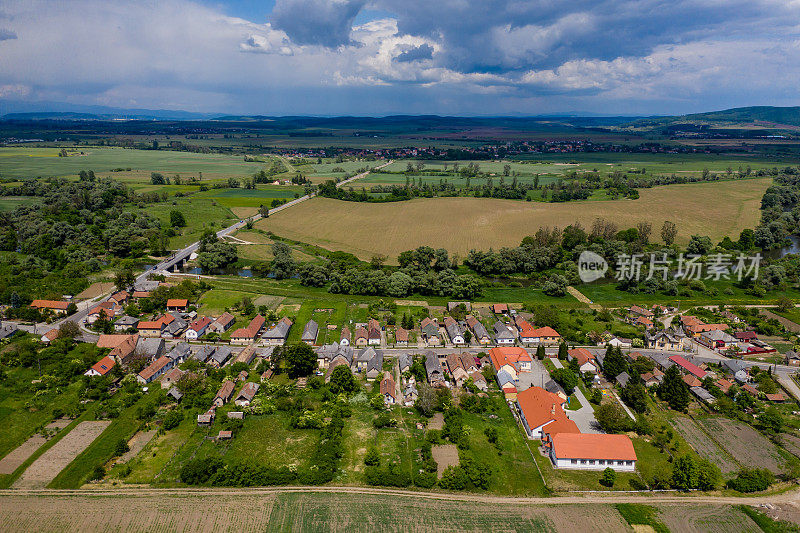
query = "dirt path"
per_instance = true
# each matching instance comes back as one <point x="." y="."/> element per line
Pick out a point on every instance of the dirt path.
<point x="606" y="497"/>
<point x="583" y="298"/>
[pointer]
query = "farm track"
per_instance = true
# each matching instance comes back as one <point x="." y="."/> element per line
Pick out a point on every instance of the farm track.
<point x="790" y="498"/>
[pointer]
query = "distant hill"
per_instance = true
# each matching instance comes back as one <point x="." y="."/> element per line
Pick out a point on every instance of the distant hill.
<point x="760" y="117"/>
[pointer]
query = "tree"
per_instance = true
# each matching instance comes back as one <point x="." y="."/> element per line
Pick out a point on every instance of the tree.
<point x="752" y="480"/>
<point x="708" y="475"/>
<point x="673" y="390"/>
<point x="68" y="330"/>
<point x="283" y="265"/>
<point x="540" y="355"/>
<point x="609" y="477"/>
<point x="372" y="458"/>
<point x="668" y="232"/>
<point x="771" y="420"/>
<point x="176" y="219"/>
<point x="217" y="255"/>
<point x="426" y="399"/>
<point x="300" y="360"/>
<point x="685" y="474"/>
<point x="562" y="351"/>
<point x="644" y="229"/>
<point x="566" y="378"/>
<point x="699" y="245"/>
<point x="614" y="363"/>
<point x="634" y="394"/>
<point x="612" y="418"/>
<point x="342" y="380"/>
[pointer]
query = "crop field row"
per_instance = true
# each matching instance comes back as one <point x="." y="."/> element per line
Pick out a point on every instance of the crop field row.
<point x="299" y="511"/>
<point x="461" y="224"/>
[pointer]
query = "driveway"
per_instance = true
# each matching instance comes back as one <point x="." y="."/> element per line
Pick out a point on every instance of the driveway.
<point x="584" y="417"/>
<point x="537" y="377"/>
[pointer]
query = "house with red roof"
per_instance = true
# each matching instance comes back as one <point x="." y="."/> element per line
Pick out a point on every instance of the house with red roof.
<point x="248" y="334"/>
<point x="593" y="451"/>
<point x="688" y="367"/>
<point x="102" y="367"/>
<point x="197" y="328"/>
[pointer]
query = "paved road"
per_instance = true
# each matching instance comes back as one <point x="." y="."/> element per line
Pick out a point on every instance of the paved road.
<point x="181" y="255"/>
<point x="584" y="417"/>
<point x="788" y="384"/>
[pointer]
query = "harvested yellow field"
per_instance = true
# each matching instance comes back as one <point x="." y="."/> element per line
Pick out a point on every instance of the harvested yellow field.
<point x="460" y="224"/>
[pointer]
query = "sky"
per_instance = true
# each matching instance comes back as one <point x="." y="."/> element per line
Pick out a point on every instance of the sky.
<point x="383" y="57"/>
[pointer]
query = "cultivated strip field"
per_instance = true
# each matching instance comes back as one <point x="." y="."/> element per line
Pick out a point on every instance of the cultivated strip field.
<point x="703" y="444"/>
<point x="744" y="442"/>
<point x="706" y="518"/>
<point x="20" y="454"/>
<point x="54" y="460"/>
<point x="461" y="224"/>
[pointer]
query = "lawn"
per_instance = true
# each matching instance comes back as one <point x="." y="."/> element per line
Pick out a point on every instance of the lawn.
<point x="21" y="415"/>
<point x="148" y="465"/>
<point x="269" y="439"/>
<point x="200" y="215"/>
<point x="461" y="224"/>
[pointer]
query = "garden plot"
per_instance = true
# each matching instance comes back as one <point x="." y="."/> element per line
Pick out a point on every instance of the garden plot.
<point x="704" y="445"/>
<point x="137" y="444"/>
<point x="747" y="445"/>
<point x="54" y="460"/>
<point x="444" y="455"/>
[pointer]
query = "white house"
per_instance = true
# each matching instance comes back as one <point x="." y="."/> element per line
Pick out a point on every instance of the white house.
<point x="593" y="451"/>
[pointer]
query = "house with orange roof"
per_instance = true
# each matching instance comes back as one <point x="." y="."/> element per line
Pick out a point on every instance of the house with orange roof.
<point x="177" y="304"/>
<point x="545" y="335"/>
<point x="50" y="336"/>
<point x="586" y="359"/>
<point x="527" y="333"/>
<point x="538" y="408"/>
<point x="120" y="298"/>
<point x="593" y="451"/>
<point x="562" y="425"/>
<point x="511" y="359"/>
<point x="362" y="336"/>
<point x="105" y="309"/>
<point x="500" y="309"/>
<point x="56" y="306"/>
<point x="102" y="367"/>
<point x="696" y="329"/>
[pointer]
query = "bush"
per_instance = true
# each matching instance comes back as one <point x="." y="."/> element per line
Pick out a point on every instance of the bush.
<point x="454" y="478"/>
<point x="98" y="473"/>
<point x="199" y="471"/>
<point x="384" y="420"/>
<point x="121" y="448"/>
<point x="609" y="477"/>
<point x="373" y="458"/>
<point x="752" y="480"/>
<point x="172" y="419"/>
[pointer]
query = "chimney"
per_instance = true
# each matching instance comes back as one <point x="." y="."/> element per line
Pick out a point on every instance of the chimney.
<point x="553" y="409"/>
